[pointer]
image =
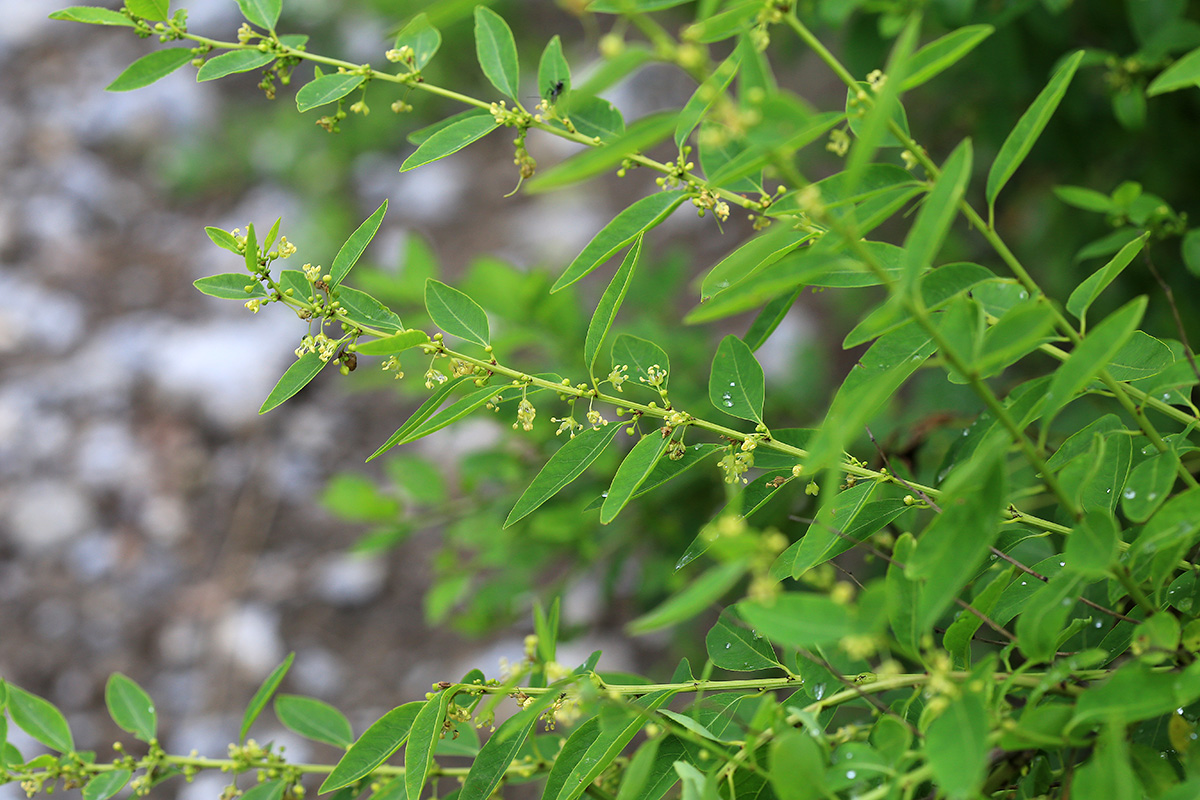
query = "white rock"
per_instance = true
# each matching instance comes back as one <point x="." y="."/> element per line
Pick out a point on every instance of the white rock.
<point x="44" y="514"/>
<point x="249" y="636"/>
<point x="346" y="579"/>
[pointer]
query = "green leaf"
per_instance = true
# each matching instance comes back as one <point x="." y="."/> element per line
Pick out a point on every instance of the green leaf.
<point x="375" y="746"/>
<point x="957" y="640"/>
<point x="353" y="249"/>
<point x="269" y="790"/>
<point x="723" y="25"/>
<point x="956" y="744"/>
<point x="639" y="355"/>
<point x="706" y="94"/>
<point x="456" y="313"/>
<point x="500" y="750"/>
<point x="692" y="600"/>
<point x="592" y="747"/>
<point x="554" y="74"/>
<point x="632" y="473"/>
<point x="754" y="255"/>
<point x="106" y="784"/>
<point x="456" y="411"/>
<point x="153" y="10"/>
<point x="1093" y="544"/>
<point x="1149" y="485"/>
<point x="641" y="135"/>
<point x="231" y="62"/>
<point x="1136" y="692"/>
<point x="609" y="304"/>
<point x="1092" y="355"/>
<point x="259" y="701"/>
<point x="797" y="619"/>
<point x="450" y="140"/>
<point x="425" y="733"/>
<point x="635" y="220"/>
<point x="1045" y="614"/>
<point x="567" y="464"/>
<point x="943" y="53"/>
<point x="40" y="719"/>
<point x="938" y="287"/>
<point x="263" y="13"/>
<point x="1142" y="356"/>
<point x="361" y="308"/>
<point x="903" y="597"/>
<point x="391" y="345"/>
<point x="150" y="67"/>
<point x="732" y="647"/>
<point x="872" y="130"/>
<point x="637" y="774"/>
<point x="1182" y="74"/>
<point x="938" y="212"/>
<point x="422" y="37"/>
<point x="772" y="314"/>
<point x="596" y="117"/>
<point x="871" y="382"/>
<point x="326" y="89"/>
<point x="1085" y="293"/>
<point x="251" y="254"/>
<point x="834" y="531"/>
<point x="230" y="286"/>
<point x="130" y="707"/>
<point x="426" y="410"/>
<point x="1087" y="199"/>
<point x="314" y="720"/>
<point x="1163" y="539"/>
<point x="1017" y="334"/>
<point x="297" y="376"/>
<point x="735" y="384"/>
<point x="624" y="6"/>
<point x="92" y="16"/>
<point x="1029" y="127"/>
<point x="497" y="51"/>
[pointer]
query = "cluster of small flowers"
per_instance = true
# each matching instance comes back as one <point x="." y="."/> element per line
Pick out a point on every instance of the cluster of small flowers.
<point x="433" y="376"/>
<point x="245" y="33"/>
<point x="320" y="344"/>
<point x="460" y="368"/>
<point x="525" y="415"/>
<point x="656" y="376"/>
<point x="839" y="142"/>
<point x="255" y="304"/>
<point x="676" y="449"/>
<point x="877" y="80"/>
<point x="286" y="248"/>
<point x="403" y="54"/>
<point x="313" y="274"/>
<point x="566" y="425"/>
<point x="618" y="376"/>
<point x="392" y="364"/>
<point x="735" y="465"/>
<point x="595" y="419"/>
<point x="708" y="200"/>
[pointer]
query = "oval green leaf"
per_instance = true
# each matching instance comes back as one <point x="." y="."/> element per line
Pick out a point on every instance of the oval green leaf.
<point x="40" y="719"/>
<point x="151" y="67"/>
<point x="294" y="379"/>
<point x="624" y="228"/>
<point x="231" y="62"/>
<point x="456" y="313"/>
<point x="1149" y="485"/>
<point x="450" y="140"/>
<point x="391" y="345"/>
<point x="230" y="286"/>
<point x="1029" y="127"/>
<point x="259" y="701"/>
<point x="263" y="13"/>
<point x="731" y="646"/>
<point x="92" y="16"/>
<point x="639" y="355"/>
<point x="375" y="746"/>
<point x="270" y="790"/>
<point x="106" y="784"/>
<point x="154" y="10"/>
<point x="497" y="51"/>
<point x="956" y="744"/>
<point x="362" y="309"/>
<point x="314" y="720"/>
<point x="422" y="37"/>
<point x="130" y="707"/>
<point x="797" y="619"/>
<point x="325" y="89"/>
<point x="1183" y="73"/>
<point x="498" y="753"/>
<point x="632" y="473"/>
<point x="692" y="600"/>
<point x="567" y="464"/>
<point x="554" y="74"/>
<point x="735" y="384"/>
<point x="1085" y="293"/>
<point x="1142" y="356"/>
<point x="425" y="733"/>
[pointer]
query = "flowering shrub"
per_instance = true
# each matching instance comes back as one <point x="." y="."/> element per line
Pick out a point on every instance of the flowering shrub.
<point x="1012" y="613"/>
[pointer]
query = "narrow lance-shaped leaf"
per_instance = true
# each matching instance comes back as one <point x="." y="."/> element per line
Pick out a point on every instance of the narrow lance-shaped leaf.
<point x="353" y="248"/>
<point x="268" y="790"/>
<point x="130" y="707"/>
<point x="705" y="95"/>
<point x="259" y="701"/>
<point x="695" y="598"/>
<point x="426" y="410"/>
<point x="735" y="384"/>
<point x="957" y="746"/>
<point x="1085" y="293"/>
<point x="873" y="129"/>
<point x="92" y="16"/>
<point x="1182" y="74"/>
<point x="632" y="473"/>
<point x="40" y="719"/>
<point x="554" y="74"/>
<point x="610" y="303"/>
<point x="496" y="50"/>
<point x="392" y="345"/>
<point x="424" y="735"/>
<point x="567" y="464"/>
<point x="326" y="89"/>
<point x="937" y="213"/>
<point x="943" y="53"/>
<point x="297" y="376"/>
<point x="456" y="313"/>
<point x="501" y="748"/>
<point x="150" y="68"/>
<point x="1029" y="127"/>
<point x="230" y="286"/>
<point x="450" y="140"/>
<point x="1091" y="356"/>
<point x="375" y="746"/>
<point x="646" y="132"/>
<point x="624" y="228"/>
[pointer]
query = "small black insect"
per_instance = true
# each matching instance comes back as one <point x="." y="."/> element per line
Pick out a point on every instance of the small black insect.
<point x="555" y="91"/>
